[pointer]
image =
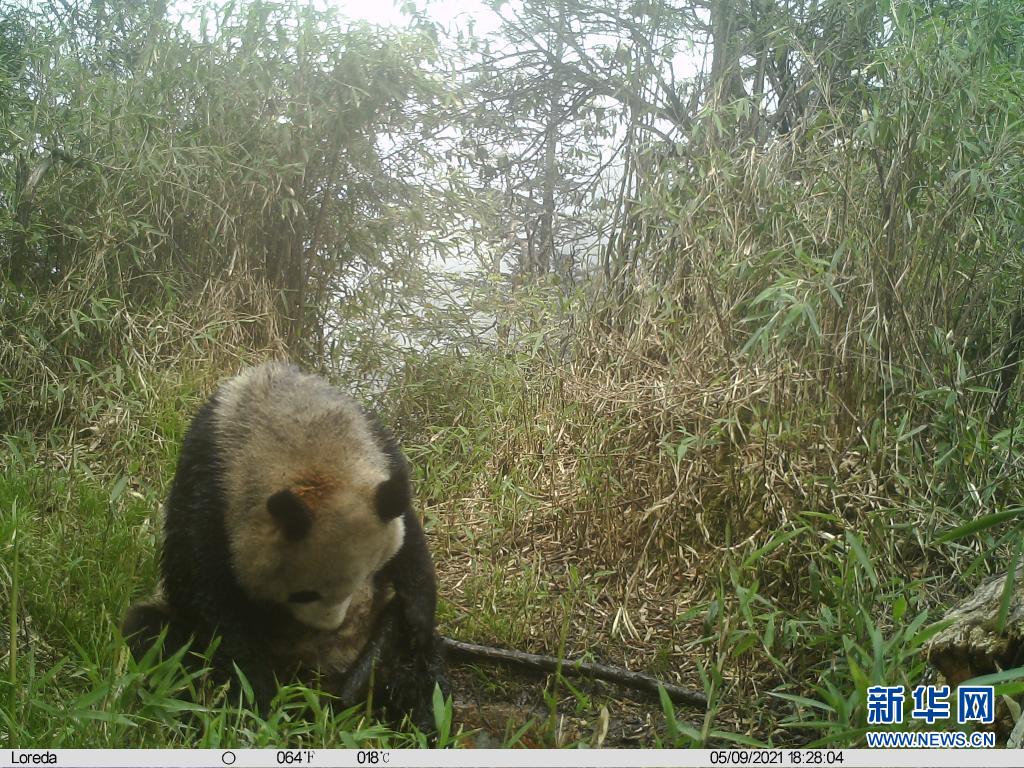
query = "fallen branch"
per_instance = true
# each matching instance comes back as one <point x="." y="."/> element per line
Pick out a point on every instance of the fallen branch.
<point x="532" y="662"/>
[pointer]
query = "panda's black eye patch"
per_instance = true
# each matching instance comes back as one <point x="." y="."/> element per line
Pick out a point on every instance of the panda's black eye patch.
<point x="292" y="515"/>
<point x="305" y="596"/>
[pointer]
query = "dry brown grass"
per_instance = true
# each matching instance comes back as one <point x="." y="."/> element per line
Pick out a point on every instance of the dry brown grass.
<point x="86" y="363"/>
<point x="579" y="528"/>
<point x="646" y="530"/>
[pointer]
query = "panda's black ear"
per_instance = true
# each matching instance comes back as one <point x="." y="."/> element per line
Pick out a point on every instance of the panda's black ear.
<point x="291" y="514"/>
<point x="394" y="496"/>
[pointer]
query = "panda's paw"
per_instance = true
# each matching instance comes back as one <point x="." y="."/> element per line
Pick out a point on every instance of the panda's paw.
<point x="410" y="691"/>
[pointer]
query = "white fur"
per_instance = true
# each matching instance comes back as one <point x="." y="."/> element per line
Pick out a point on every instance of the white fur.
<point x="322" y="616"/>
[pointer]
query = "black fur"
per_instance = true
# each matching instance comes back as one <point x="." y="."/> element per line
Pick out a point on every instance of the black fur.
<point x="291" y="514"/>
<point x="393" y="496"/>
<point x="409" y="654"/>
<point x="204" y="599"/>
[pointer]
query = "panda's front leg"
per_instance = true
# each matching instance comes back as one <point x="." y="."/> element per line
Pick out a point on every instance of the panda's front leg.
<point x="407" y="667"/>
<point x="412" y="650"/>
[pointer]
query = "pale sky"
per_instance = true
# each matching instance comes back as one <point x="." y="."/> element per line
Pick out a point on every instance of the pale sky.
<point x="449" y="13"/>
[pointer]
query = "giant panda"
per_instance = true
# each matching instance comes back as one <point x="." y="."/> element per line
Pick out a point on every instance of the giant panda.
<point x="289" y="534"/>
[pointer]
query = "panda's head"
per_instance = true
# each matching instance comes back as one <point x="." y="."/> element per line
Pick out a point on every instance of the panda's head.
<point x="315" y="494"/>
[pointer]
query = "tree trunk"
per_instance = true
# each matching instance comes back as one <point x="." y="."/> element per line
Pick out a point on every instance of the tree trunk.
<point x="725" y="80"/>
<point x="977" y="642"/>
<point x="546" y="246"/>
